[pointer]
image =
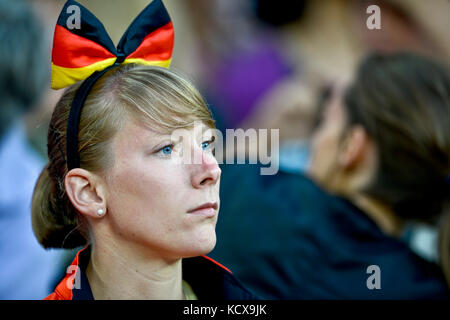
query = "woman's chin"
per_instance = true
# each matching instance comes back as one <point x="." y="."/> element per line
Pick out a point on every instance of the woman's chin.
<point x="203" y="244"/>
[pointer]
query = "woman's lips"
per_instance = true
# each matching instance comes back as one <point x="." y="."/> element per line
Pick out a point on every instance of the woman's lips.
<point x="208" y="209"/>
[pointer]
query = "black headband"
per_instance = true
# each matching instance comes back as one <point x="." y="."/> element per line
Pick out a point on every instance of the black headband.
<point x="73" y="158"/>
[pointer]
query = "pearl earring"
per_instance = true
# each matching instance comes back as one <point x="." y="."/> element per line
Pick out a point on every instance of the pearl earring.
<point x="100" y="212"/>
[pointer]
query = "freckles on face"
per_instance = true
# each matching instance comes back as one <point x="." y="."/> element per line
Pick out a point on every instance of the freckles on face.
<point x="150" y="194"/>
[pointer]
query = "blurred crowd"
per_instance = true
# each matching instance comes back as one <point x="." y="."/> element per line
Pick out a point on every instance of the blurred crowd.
<point x="259" y="64"/>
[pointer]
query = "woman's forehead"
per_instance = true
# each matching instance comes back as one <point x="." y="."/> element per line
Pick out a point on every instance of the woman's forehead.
<point x="145" y="131"/>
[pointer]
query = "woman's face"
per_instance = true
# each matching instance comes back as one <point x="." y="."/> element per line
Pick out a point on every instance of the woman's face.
<point x="152" y="191"/>
<point x="326" y="143"/>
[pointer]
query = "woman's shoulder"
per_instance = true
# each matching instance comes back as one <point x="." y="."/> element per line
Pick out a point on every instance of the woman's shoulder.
<point x="211" y="280"/>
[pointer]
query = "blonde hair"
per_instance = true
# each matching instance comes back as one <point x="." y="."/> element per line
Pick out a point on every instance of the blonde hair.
<point x="161" y="98"/>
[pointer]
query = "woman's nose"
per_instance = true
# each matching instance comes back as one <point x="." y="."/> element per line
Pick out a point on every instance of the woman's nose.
<point x="207" y="172"/>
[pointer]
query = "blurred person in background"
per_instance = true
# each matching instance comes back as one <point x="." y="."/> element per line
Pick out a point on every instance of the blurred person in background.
<point x="383" y="144"/>
<point x="27" y="271"/>
<point x="384" y="150"/>
<point x="263" y="63"/>
<point x="323" y="46"/>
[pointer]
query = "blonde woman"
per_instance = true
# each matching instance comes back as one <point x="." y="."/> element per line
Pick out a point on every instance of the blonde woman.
<point x="116" y="182"/>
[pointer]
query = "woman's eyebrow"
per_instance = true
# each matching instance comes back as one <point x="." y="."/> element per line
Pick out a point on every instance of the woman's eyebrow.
<point x="165" y="138"/>
<point x="156" y="138"/>
<point x="207" y="129"/>
<point x="152" y="134"/>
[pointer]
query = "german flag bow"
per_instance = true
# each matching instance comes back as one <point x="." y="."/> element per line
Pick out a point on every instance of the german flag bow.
<point x="81" y="45"/>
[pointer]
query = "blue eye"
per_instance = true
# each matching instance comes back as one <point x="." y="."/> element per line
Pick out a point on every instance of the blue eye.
<point x="207" y="144"/>
<point x="167" y="150"/>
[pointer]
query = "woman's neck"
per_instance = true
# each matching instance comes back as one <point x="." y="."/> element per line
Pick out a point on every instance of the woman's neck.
<point x="118" y="274"/>
<point x="381" y="214"/>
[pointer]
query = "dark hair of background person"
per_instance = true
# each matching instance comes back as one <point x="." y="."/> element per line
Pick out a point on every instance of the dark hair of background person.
<point x="403" y="102"/>
<point x="279" y="13"/>
<point x="23" y="72"/>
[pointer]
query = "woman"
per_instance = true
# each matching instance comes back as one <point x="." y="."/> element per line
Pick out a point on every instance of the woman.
<point x="384" y="145"/>
<point x="117" y="181"/>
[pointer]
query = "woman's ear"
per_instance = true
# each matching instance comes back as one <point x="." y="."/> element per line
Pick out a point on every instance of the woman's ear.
<point x="356" y="148"/>
<point x="86" y="192"/>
